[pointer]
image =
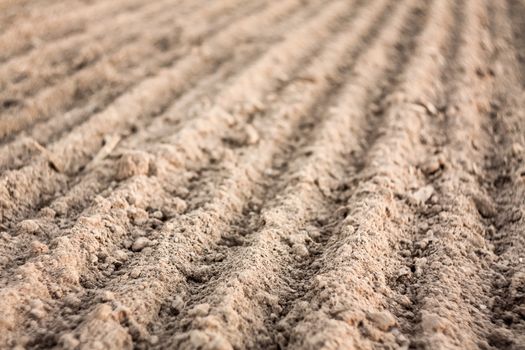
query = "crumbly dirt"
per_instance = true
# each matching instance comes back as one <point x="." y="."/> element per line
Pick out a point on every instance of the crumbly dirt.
<point x="252" y="174"/>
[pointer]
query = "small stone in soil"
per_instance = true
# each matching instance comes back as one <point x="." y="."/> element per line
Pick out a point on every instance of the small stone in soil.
<point x="140" y="243"/>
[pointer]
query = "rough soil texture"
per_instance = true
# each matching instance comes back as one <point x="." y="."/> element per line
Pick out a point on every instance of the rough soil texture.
<point x="255" y="174"/>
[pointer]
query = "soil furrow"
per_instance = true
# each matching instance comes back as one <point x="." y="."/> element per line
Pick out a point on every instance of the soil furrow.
<point x="327" y="225"/>
<point x="291" y="48"/>
<point x="504" y="171"/>
<point x="56" y="98"/>
<point x="276" y="128"/>
<point x="29" y="35"/>
<point x="13" y="14"/>
<point x="94" y="179"/>
<point x="114" y="75"/>
<point x="272" y="131"/>
<point x="66" y="208"/>
<point x="408" y="313"/>
<point x="47" y="174"/>
<point x="242" y="296"/>
<point x="450" y="228"/>
<point x="49" y="64"/>
<point x="352" y="297"/>
<point x="255" y="174"/>
<point x="97" y="181"/>
<point x="516" y="10"/>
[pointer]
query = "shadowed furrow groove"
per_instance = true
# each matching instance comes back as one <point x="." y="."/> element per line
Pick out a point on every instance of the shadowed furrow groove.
<point x="252" y="164"/>
<point x="405" y="278"/>
<point x="505" y="170"/>
<point x="273" y="132"/>
<point x="113" y="74"/>
<point x="450" y="228"/>
<point x="516" y="11"/>
<point x="190" y="126"/>
<point x="100" y="176"/>
<point x="57" y="98"/>
<point x="47" y="174"/>
<point x="256" y="174"/>
<point x="352" y="297"/>
<point x="12" y="15"/>
<point x="24" y="37"/>
<point x="26" y="76"/>
<point x="240" y="296"/>
<point x="286" y="54"/>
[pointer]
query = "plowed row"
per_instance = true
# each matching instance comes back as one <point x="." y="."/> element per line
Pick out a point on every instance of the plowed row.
<point x="249" y="174"/>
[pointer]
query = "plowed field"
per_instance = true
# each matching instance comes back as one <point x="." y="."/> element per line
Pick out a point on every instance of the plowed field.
<point x="255" y="174"/>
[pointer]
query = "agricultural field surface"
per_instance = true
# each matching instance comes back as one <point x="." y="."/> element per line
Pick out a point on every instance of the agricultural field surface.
<point x="257" y="174"/>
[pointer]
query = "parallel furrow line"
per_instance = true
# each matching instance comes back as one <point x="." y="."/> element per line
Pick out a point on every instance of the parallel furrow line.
<point x="113" y="74"/>
<point x="227" y="201"/>
<point x="12" y="14"/>
<point x="25" y="37"/>
<point x="153" y="94"/>
<point x="66" y="207"/>
<point x="274" y="65"/>
<point x="441" y="243"/>
<point x="516" y="10"/>
<point x="243" y="298"/>
<point x="505" y="170"/>
<point x="351" y="294"/>
<point x="50" y="63"/>
<point x="272" y="131"/>
<point x="57" y="98"/>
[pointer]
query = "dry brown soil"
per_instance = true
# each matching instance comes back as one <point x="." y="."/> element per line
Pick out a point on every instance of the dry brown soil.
<point x="256" y="174"/>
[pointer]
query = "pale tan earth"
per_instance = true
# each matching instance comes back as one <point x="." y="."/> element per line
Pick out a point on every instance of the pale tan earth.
<point x="256" y="174"/>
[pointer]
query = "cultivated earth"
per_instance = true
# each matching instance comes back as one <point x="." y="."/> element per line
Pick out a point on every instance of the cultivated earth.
<point x="256" y="174"/>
